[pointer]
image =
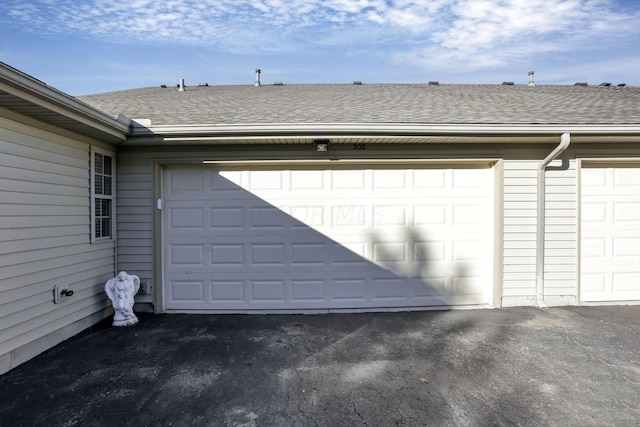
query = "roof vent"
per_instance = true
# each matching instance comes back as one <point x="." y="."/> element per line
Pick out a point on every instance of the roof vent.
<point x="605" y="84"/>
<point x="357" y="82"/>
<point x="531" y="82"/>
<point x="581" y="84"/>
<point x="508" y="83"/>
<point x="181" y="86"/>
<point x="434" y="82"/>
<point x="258" y="77"/>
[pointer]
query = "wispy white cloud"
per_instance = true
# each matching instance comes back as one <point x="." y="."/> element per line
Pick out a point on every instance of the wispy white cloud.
<point x="440" y="34"/>
<point x="484" y="33"/>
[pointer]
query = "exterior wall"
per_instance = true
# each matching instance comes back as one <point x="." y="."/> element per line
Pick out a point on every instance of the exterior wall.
<point x="138" y="188"/>
<point x="561" y="235"/>
<point x="45" y="241"/>
<point x="517" y="279"/>
<point x="135" y="209"/>
<point x="519" y="233"/>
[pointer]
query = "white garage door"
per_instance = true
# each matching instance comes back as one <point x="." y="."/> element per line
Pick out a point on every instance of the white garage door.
<point x="304" y="239"/>
<point x="610" y="234"/>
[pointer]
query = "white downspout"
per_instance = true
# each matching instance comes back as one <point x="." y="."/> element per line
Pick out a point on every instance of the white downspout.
<point x="565" y="140"/>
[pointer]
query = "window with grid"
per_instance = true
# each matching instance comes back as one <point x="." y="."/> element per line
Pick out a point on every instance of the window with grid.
<point x="102" y="186"/>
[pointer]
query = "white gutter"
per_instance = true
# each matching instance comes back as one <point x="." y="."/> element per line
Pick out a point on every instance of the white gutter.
<point x="145" y="127"/>
<point x="565" y="140"/>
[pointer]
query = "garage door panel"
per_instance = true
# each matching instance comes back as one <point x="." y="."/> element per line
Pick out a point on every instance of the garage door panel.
<point x="434" y="215"/>
<point x="267" y="291"/>
<point x="430" y="179"/>
<point x="390" y="179"/>
<point x="227" y="218"/>
<point x="267" y="180"/>
<point x="309" y="290"/>
<point x="390" y="289"/>
<point x="227" y="291"/>
<point x="468" y="179"/>
<point x="306" y="180"/>
<point x="185" y="181"/>
<point x="627" y="247"/>
<point x="433" y="289"/>
<point x="594" y="212"/>
<point x="627" y="212"/>
<point x="307" y="239"/>
<point x="594" y="247"/>
<point x="229" y="255"/>
<point x="471" y="214"/>
<point x="468" y="286"/>
<point x="624" y="178"/>
<point x="339" y="293"/>
<point x="626" y="282"/>
<point x="186" y="255"/>
<point x="187" y="218"/>
<point x="349" y="254"/>
<point x="188" y="290"/>
<point x="267" y="217"/>
<point x="610" y="233"/>
<point x="390" y="215"/>
<point x="347" y="180"/>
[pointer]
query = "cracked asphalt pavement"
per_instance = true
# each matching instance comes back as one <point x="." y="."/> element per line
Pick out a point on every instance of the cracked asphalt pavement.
<point x="569" y="366"/>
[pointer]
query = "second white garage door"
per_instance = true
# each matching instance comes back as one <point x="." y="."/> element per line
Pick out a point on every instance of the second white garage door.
<point x="311" y="239"/>
<point x="610" y="233"/>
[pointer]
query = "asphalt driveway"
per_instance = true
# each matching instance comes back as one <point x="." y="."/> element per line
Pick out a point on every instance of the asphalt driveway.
<point x="574" y="366"/>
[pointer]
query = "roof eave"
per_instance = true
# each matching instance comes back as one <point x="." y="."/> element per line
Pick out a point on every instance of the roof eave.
<point x="377" y="132"/>
<point x="33" y="92"/>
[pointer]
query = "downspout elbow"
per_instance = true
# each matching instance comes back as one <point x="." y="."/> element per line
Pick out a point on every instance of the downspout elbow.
<point x="565" y="140"/>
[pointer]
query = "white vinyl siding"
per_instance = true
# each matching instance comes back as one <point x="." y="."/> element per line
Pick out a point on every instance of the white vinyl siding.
<point x="520" y="204"/>
<point x="135" y="210"/>
<point x="561" y="234"/>
<point x="45" y="240"/>
<point x="520" y="233"/>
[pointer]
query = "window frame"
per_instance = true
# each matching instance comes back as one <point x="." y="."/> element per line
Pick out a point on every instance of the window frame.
<point x="95" y="198"/>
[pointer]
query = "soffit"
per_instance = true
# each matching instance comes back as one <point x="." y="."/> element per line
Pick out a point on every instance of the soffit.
<point x="33" y="99"/>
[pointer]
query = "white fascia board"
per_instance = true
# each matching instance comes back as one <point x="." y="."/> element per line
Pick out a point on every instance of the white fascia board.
<point x="34" y="91"/>
<point x="383" y="129"/>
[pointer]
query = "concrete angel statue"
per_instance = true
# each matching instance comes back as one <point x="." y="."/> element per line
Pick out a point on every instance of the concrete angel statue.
<point x="121" y="291"/>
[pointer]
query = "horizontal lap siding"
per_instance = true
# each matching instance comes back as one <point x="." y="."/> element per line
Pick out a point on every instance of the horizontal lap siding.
<point x="561" y="235"/>
<point x="520" y="233"/>
<point x="45" y="239"/>
<point x="520" y="201"/>
<point x="135" y="207"/>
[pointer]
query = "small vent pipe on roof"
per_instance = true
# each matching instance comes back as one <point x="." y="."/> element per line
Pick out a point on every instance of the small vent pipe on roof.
<point x="531" y="82"/>
<point x="565" y="140"/>
<point x="181" y="85"/>
<point x="258" y="77"/>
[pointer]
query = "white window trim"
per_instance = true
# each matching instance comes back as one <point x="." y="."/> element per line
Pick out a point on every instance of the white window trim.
<point x="112" y="197"/>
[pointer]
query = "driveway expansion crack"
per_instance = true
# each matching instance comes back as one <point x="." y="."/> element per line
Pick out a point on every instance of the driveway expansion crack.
<point x="355" y="409"/>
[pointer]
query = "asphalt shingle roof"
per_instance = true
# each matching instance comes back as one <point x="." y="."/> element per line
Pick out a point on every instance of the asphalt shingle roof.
<point x="375" y="103"/>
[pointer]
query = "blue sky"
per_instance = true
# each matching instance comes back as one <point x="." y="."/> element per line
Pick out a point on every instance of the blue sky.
<point x="93" y="46"/>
